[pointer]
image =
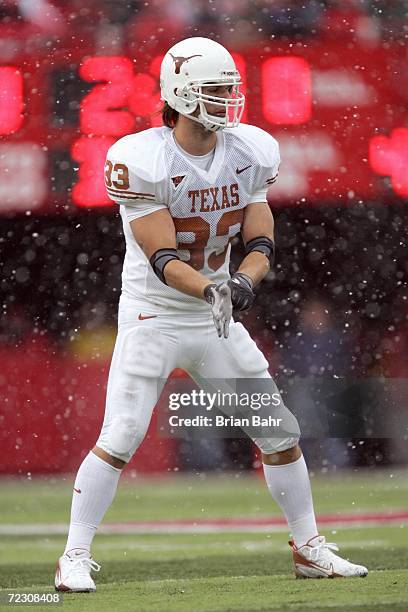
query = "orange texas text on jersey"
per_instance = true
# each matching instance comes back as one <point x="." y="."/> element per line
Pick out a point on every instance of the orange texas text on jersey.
<point x="228" y="195"/>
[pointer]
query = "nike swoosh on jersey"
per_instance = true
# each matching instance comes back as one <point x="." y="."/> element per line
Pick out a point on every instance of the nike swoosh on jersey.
<point x="77" y="490"/>
<point x="143" y="318"/>
<point x="242" y="169"/>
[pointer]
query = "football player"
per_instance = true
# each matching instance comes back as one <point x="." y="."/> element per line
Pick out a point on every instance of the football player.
<point x="185" y="190"/>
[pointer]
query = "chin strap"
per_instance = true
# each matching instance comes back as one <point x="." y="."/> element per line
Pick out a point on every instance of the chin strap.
<point x="205" y="123"/>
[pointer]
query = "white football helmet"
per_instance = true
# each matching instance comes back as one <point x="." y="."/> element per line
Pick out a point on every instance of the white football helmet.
<point x="192" y="64"/>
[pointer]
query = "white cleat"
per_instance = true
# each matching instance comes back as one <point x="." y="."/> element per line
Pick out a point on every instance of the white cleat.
<point x="74" y="572"/>
<point x="316" y="560"/>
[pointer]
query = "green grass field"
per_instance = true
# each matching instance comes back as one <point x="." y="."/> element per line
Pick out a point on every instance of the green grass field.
<point x="214" y="571"/>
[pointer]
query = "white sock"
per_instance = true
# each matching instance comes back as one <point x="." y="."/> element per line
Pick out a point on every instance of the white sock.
<point x="95" y="485"/>
<point x="289" y="486"/>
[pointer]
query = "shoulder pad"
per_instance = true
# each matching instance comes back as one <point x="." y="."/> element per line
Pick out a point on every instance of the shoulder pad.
<point x="141" y="152"/>
<point x="264" y="146"/>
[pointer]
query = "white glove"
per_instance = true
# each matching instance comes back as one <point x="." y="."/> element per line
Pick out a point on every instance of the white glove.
<point x="219" y="298"/>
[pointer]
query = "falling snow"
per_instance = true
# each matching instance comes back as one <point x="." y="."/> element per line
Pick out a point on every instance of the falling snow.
<point x="336" y="302"/>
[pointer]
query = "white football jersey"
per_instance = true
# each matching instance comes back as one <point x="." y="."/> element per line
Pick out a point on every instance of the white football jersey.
<point x="148" y="171"/>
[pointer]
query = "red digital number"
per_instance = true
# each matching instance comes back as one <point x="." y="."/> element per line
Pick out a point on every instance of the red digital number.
<point x="286" y="90"/>
<point x="11" y="100"/>
<point x="389" y="157"/>
<point x="91" y="154"/>
<point x="101" y="120"/>
<point x="98" y="114"/>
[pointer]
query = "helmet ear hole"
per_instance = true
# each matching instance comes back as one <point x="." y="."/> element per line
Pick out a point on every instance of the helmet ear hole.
<point x="180" y="92"/>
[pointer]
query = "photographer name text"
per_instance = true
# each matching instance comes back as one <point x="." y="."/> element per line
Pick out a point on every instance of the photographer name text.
<point x="224" y="421"/>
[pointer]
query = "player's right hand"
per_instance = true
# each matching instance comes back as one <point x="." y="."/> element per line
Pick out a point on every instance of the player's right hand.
<point x="219" y="298"/>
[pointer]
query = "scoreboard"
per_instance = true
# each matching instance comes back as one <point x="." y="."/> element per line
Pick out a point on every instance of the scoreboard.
<point x="338" y="110"/>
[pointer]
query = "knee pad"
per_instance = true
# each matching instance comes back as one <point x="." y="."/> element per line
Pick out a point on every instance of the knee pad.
<point x="267" y="446"/>
<point x="123" y="436"/>
<point x="269" y="441"/>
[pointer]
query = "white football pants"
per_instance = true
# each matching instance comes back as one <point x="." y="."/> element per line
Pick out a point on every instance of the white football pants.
<point x="146" y="352"/>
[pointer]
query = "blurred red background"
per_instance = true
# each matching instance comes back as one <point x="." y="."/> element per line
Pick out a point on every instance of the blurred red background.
<point x="327" y="79"/>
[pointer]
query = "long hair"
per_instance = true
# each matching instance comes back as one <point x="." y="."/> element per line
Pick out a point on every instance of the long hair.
<point x="169" y="116"/>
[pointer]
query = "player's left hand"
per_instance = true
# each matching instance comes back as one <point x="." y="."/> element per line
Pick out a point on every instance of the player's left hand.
<point x="242" y="296"/>
<point x="219" y="298"/>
